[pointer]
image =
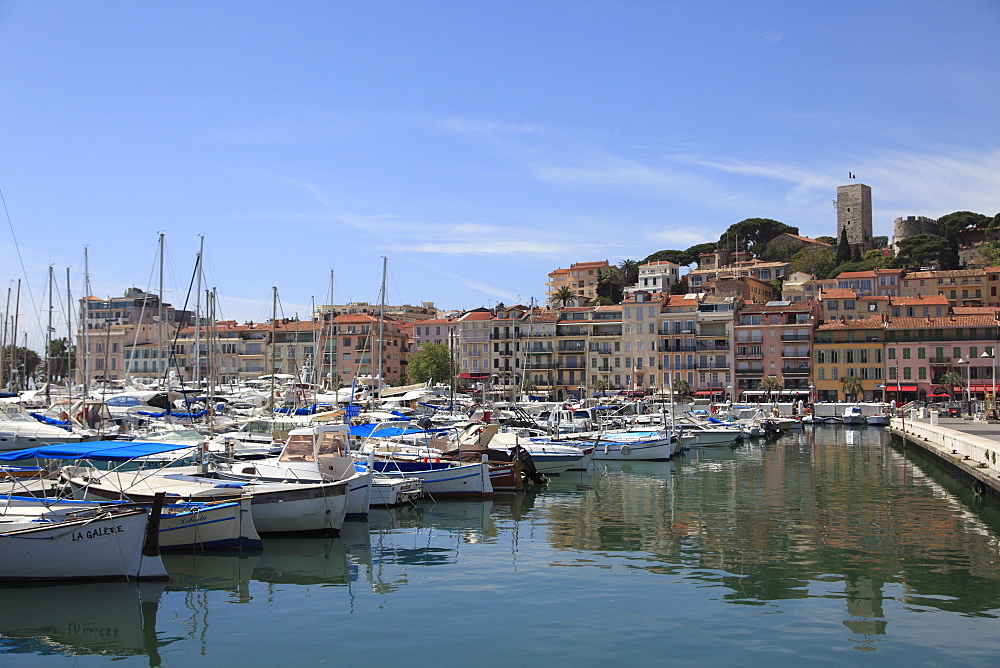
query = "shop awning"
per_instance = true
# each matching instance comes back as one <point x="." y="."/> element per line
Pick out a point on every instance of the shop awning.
<point x="897" y="388"/>
<point x="703" y="393"/>
<point x="474" y="376"/>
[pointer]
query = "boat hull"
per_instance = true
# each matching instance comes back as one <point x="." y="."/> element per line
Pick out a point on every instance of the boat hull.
<point x="439" y="478"/>
<point x="109" y="547"/>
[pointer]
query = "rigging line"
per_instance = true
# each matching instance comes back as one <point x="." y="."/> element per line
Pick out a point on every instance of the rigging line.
<point x="171" y="357"/>
<point x="20" y="260"/>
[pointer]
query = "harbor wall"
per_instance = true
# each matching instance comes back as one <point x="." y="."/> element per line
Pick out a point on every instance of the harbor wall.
<point x="977" y="456"/>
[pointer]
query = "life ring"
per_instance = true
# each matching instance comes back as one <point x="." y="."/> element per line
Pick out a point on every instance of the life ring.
<point x="978" y="487"/>
<point x="626" y="450"/>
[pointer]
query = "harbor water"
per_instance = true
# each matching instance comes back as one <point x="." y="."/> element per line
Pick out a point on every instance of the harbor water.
<point x="829" y="546"/>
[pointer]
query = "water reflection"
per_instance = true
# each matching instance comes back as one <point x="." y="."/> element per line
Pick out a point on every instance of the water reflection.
<point x="112" y="619"/>
<point x="817" y="513"/>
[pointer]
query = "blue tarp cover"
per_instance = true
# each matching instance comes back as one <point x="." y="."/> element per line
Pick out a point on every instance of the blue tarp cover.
<point x="45" y="419"/>
<point x="366" y="430"/>
<point x="117" y="451"/>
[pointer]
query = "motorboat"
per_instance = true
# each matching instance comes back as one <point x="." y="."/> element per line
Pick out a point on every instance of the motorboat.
<point x="854" y="415"/>
<point x="275" y="508"/>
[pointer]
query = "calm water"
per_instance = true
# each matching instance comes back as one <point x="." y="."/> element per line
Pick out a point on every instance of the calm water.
<point x="829" y="547"/>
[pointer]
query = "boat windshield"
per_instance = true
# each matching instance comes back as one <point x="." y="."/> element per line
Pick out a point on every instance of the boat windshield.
<point x="299" y="448"/>
<point x="331" y="443"/>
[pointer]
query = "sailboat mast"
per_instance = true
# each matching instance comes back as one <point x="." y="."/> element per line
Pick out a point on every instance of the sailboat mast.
<point x="274" y="338"/>
<point x="17" y="313"/>
<point x="3" y="345"/>
<point x="159" y="325"/>
<point x="86" y="325"/>
<point x="48" y="348"/>
<point x="196" y="375"/>
<point x="330" y="334"/>
<point x="381" y="327"/>
<point x="69" y="329"/>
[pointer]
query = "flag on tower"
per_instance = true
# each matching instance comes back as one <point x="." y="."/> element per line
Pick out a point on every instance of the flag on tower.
<point x="852" y="175"/>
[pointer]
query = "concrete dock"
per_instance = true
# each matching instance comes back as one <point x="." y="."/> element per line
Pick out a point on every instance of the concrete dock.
<point x="969" y="446"/>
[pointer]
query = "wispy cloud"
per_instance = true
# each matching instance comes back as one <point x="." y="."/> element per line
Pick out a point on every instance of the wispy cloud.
<point x="502" y="293"/>
<point x="472" y="126"/>
<point x="772" y="36"/>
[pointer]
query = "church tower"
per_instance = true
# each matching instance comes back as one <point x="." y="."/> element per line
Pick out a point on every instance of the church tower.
<point x="854" y="214"/>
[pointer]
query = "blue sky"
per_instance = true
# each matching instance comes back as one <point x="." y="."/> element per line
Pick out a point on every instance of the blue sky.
<point x="477" y="145"/>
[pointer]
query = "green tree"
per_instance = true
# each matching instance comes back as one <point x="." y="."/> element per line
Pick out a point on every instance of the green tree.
<point x="828" y="240"/>
<point x="880" y="242"/>
<point x="19" y="365"/>
<point x="853" y="387"/>
<point x="564" y="296"/>
<point x="921" y="250"/>
<point x="602" y="384"/>
<point x="681" y="388"/>
<point x="951" y="379"/>
<point x="753" y="234"/>
<point x="816" y="260"/>
<point x="431" y="363"/>
<point x="843" y="248"/>
<point x="61" y="355"/>
<point x="990" y="253"/>
<point x="610" y="284"/>
<point x="629" y="270"/>
<point x="770" y="385"/>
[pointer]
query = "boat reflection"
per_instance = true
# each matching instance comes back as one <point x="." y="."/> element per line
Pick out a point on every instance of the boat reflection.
<point x="110" y="619"/>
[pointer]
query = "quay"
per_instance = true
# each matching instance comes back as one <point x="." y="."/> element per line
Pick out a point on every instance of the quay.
<point x="970" y="446"/>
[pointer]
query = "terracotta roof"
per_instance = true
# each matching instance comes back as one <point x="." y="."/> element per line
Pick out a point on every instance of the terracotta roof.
<point x="946" y="273"/>
<point x="943" y="322"/>
<point x="801" y="238"/>
<point x="545" y="316"/>
<point x="838" y="293"/>
<point x="658" y="262"/>
<point x="860" y="323"/>
<point x="873" y="298"/>
<point x="975" y="310"/>
<point x="923" y="300"/>
<point x="476" y="316"/>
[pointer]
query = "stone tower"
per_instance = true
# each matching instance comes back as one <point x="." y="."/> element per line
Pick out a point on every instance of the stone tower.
<point x="854" y="214"/>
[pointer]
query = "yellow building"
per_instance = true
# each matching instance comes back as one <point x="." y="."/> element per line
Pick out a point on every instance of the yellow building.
<point x="581" y="278"/>
<point x="849" y="349"/>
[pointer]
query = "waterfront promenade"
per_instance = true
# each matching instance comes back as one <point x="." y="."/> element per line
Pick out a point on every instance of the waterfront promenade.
<point x="970" y="446"/>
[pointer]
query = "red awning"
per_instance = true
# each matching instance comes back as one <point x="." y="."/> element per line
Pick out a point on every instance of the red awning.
<point x="702" y="393"/>
<point x="897" y="388"/>
<point x="475" y="376"/>
<point x="939" y="395"/>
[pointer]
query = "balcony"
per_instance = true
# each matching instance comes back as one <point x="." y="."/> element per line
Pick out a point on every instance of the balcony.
<point x="939" y="361"/>
<point x="795" y="337"/>
<point x="536" y="366"/>
<point x="677" y="349"/>
<point x="751" y="356"/>
<point x="705" y="346"/>
<point x="750" y="372"/>
<point x="572" y="347"/>
<point x="573" y="365"/>
<point x="795" y="370"/>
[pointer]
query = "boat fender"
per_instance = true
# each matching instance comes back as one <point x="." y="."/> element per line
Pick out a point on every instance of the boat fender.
<point x="434" y="460"/>
<point x="626" y="450"/>
<point x="607" y="449"/>
<point x="978" y="487"/>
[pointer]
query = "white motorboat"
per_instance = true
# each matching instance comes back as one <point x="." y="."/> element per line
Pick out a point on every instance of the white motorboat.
<point x="275" y="508"/>
<point x="854" y="415"/>
<point x="317" y="453"/>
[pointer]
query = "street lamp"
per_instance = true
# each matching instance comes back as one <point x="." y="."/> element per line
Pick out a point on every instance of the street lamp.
<point x="968" y="382"/>
<point x="991" y="407"/>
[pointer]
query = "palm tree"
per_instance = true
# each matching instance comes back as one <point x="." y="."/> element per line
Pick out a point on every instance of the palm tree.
<point x="853" y="387"/>
<point x="564" y="295"/>
<point x="610" y="283"/>
<point x="602" y="385"/>
<point x="770" y="385"/>
<point x="952" y="379"/>
<point x="630" y="272"/>
<point x="681" y="388"/>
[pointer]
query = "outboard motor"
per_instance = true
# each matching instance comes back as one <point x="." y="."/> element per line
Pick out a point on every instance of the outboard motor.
<point x="528" y="469"/>
<point x="425" y="423"/>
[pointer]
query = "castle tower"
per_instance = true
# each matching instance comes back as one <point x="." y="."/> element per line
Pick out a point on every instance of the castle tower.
<point x="854" y="214"/>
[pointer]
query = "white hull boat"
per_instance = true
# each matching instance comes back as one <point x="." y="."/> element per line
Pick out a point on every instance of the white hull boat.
<point x="110" y="546"/>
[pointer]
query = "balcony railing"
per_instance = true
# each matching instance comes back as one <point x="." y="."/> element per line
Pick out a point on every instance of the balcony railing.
<point x="745" y="372"/>
<point x="746" y="355"/>
<point x="795" y="337"/>
<point x="939" y="361"/>
<point x="794" y="370"/>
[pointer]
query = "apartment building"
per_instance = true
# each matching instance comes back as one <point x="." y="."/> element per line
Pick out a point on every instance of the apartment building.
<point x="849" y="348"/>
<point x="961" y="287"/>
<point x="774" y="340"/>
<point x="919" y="350"/>
<point x="580" y="277"/>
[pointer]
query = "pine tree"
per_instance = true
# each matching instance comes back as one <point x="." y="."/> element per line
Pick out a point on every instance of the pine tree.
<point x="844" y="248"/>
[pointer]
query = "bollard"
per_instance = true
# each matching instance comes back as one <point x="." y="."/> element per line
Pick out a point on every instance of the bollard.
<point x="934" y="417"/>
